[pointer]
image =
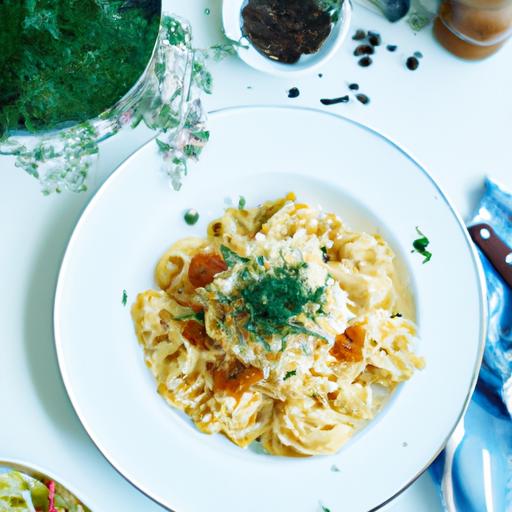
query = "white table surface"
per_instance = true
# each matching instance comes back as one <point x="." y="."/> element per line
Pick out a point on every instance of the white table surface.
<point x="453" y="116"/>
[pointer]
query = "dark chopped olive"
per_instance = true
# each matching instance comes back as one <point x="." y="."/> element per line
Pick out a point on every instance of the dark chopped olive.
<point x="412" y="63"/>
<point x="333" y="101"/>
<point x="392" y="47"/>
<point x="418" y="55"/>
<point x="364" y="49"/>
<point x="374" y="38"/>
<point x="364" y="62"/>
<point x="354" y="87"/>
<point x="283" y="31"/>
<point x="293" y="92"/>
<point x="362" y="98"/>
<point x="325" y="256"/>
<point x="320" y="75"/>
<point x="360" y="35"/>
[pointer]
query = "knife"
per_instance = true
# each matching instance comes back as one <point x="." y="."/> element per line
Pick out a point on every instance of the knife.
<point x="495" y="249"/>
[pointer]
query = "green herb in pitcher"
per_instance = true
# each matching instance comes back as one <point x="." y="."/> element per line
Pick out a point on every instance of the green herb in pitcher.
<point x="66" y="61"/>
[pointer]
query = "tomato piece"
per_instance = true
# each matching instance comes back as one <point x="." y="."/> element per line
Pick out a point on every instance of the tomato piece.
<point x="348" y="346"/>
<point x="236" y="379"/>
<point x="204" y="267"/>
<point x="196" y="334"/>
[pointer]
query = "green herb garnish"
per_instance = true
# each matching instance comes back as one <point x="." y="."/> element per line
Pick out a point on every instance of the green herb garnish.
<point x="124" y="300"/>
<point x="324" y="508"/>
<point x="289" y="374"/>
<point x="335" y="469"/>
<point x="191" y="216"/>
<point x="241" y="203"/>
<point x="274" y="299"/>
<point x="396" y="315"/>
<point x="420" y="246"/>
<point x="260" y="260"/>
<point x="230" y="257"/>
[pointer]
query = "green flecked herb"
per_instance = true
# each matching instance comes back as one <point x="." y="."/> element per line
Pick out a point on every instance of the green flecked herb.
<point x="396" y="315"/>
<point x="191" y="216"/>
<point x="420" y="246"/>
<point x="335" y="469"/>
<point x="324" y="508"/>
<point x="230" y="257"/>
<point x="191" y="316"/>
<point x="260" y="260"/>
<point x="241" y="203"/>
<point x="70" y="60"/>
<point x="124" y="300"/>
<point x="275" y="298"/>
<point x="289" y="374"/>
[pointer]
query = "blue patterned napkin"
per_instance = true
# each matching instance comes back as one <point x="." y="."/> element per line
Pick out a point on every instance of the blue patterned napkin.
<point x="474" y="472"/>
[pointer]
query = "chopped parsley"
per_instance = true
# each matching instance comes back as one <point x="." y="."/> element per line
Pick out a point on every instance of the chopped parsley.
<point x="272" y="301"/>
<point x="191" y="216"/>
<point x="260" y="260"/>
<point x="289" y="374"/>
<point x="230" y="257"/>
<point x="420" y="246"/>
<point x="124" y="300"/>
<point x="324" y="508"/>
<point x="335" y="469"/>
<point x="241" y="203"/>
<point x="325" y="256"/>
<point x="396" y="315"/>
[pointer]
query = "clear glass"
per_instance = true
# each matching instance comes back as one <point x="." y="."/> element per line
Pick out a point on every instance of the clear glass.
<point x="474" y="29"/>
<point x="166" y="98"/>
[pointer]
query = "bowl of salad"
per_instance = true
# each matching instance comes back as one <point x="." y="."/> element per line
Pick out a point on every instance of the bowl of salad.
<point x="26" y="489"/>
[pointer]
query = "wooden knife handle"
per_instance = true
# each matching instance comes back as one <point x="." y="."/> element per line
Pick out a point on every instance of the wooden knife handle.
<point x="497" y="251"/>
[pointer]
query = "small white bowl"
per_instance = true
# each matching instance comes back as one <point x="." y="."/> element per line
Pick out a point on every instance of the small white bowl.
<point x="232" y="20"/>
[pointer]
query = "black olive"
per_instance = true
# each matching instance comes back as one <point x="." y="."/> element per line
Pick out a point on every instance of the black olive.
<point x="364" y="49"/>
<point x="363" y="99"/>
<point x="354" y="87"/>
<point x="392" y="47"/>
<point x="360" y="35"/>
<point x="293" y="92"/>
<point x="374" y="38"/>
<point x="365" y="61"/>
<point x="412" y="63"/>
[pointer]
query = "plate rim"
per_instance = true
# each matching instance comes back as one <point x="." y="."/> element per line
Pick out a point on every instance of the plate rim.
<point x="477" y="266"/>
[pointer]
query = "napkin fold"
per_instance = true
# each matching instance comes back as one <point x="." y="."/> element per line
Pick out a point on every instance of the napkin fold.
<point x="474" y="472"/>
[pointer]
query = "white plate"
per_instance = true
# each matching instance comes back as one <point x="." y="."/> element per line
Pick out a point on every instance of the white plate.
<point x="262" y="153"/>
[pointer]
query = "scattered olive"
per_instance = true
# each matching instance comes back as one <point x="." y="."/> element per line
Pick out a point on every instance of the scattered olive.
<point x="412" y="63"/>
<point x="365" y="61"/>
<point x="354" y="87"/>
<point x="360" y="35"/>
<point x="364" y="49"/>
<point x="293" y="92"/>
<point x="374" y="38"/>
<point x="362" y="98"/>
<point x="391" y="47"/>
